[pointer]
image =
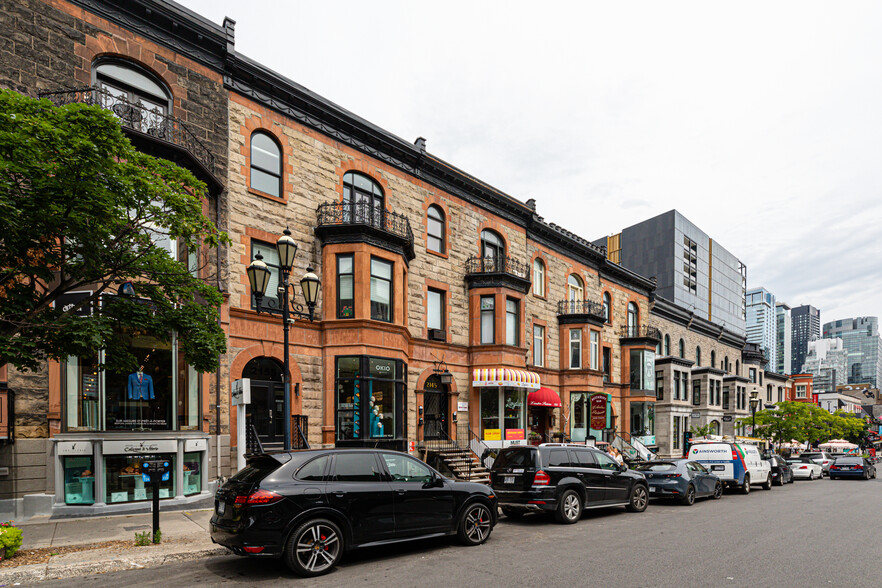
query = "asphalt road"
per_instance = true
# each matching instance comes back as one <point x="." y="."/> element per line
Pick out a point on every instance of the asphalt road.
<point x="820" y="533"/>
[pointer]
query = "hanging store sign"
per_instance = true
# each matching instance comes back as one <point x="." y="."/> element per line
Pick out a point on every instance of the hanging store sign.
<point x="196" y="445"/>
<point x="69" y="300"/>
<point x="598" y="411"/>
<point x="240" y="391"/>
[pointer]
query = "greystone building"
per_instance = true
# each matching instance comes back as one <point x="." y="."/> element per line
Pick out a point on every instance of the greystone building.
<point x="806" y="326"/>
<point x="860" y="338"/>
<point x="692" y="270"/>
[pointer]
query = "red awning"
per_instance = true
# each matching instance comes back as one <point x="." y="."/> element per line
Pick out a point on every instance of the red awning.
<point x="544" y="397"/>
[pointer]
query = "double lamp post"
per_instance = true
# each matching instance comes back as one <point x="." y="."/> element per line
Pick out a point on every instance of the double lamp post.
<point x="258" y="278"/>
<point x="754" y="403"/>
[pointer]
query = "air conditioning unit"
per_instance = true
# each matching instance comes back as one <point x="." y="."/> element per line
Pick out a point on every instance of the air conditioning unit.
<point x="437" y="335"/>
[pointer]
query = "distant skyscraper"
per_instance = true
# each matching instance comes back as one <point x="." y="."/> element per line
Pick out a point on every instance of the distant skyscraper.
<point x="762" y="324"/>
<point x="827" y="360"/>
<point x="806" y="323"/>
<point x="860" y="337"/>
<point x="692" y="270"/>
<point x="783" y="338"/>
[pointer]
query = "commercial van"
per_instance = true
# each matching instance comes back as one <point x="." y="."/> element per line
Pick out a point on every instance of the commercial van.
<point x="736" y="464"/>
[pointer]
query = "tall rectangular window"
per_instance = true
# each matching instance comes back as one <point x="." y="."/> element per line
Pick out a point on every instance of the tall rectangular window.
<point x="271" y="258"/>
<point x="435" y="310"/>
<point x="659" y="385"/>
<point x="676" y="385"/>
<point x="538" y="345"/>
<point x="676" y="432"/>
<point x="595" y="346"/>
<point x="488" y="317"/>
<point x="381" y="290"/>
<point x="607" y="363"/>
<point x="752" y="377"/>
<point x="696" y="392"/>
<point x="685" y="386"/>
<point x="511" y="322"/>
<point x="575" y="348"/>
<point x="345" y="287"/>
<point x="725" y="397"/>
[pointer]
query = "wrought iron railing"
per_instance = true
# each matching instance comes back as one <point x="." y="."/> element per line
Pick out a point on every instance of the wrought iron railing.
<point x="498" y="265"/>
<point x="253" y="446"/>
<point x="299" y="431"/>
<point x="363" y="213"/>
<point x="149" y="120"/>
<point x="633" y="331"/>
<point x="588" y="307"/>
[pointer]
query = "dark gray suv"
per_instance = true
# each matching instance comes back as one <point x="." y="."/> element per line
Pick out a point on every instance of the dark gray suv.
<point x="564" y="479"/>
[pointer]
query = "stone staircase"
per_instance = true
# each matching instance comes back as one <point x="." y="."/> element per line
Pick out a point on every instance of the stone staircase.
<point x="462" y="463"/>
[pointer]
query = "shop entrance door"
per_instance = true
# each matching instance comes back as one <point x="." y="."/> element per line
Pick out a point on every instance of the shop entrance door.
<point x="266" y="411"/>
<point x="435" y="404"/>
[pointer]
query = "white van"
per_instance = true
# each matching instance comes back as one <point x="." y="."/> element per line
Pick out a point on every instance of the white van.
<point x="736" y="464"/>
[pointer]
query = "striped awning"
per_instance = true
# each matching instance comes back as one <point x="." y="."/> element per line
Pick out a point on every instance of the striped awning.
<point x="505" y="377"/>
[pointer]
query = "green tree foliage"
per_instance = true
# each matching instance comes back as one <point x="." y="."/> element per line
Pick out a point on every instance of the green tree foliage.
<point x="702" y="431"/>
<point x="805" y="422"/>
<point x="81" y="209"/>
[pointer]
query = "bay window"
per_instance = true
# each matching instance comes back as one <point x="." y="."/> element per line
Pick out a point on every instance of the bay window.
<point x="381" y="290"/>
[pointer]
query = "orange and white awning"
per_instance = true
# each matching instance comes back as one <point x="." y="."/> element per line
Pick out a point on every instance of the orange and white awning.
<point x="505" y="377"/>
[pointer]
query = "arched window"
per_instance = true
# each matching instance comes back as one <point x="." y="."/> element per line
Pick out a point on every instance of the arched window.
<point x="575" y="288"/>
<point x="681" y="347"/>
<point x="697" y="356"/>
<point x="266" y="164"/>
<point x="538" y="277"/>
<point x="726" y="364"/>
<point x="633" y="319"/>
<point x="713" y="361"/>
<point x="135" y="95"/>
<point x="435" y="229"/>
<point x="667" y="345"/>
<point x="714" y="427"/>
<point x="492" y="246"/>
<point x="607" y="307"/>
<point x="737" y="368"/>
<point x="365" y="198"/>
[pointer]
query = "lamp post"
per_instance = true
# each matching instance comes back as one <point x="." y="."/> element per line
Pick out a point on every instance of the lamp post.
<point x="258" y="278"/>
<point x="754" y="402"/>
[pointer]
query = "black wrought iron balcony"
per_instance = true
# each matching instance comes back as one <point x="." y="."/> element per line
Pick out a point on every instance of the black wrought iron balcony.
<point x="360" y="221"/>
<point x="145" y="123"/>
<point x="580" y="311"/>
<point x="640" y="332"/>
<point x="500" y="271"/>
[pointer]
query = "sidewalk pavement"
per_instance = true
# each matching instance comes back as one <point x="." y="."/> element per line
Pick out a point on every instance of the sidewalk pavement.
<point x="184" y="536"/>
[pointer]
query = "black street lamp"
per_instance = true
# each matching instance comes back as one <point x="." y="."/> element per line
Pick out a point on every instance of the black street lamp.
<point x="754" y="402"/>
<point x="258" y="277"/>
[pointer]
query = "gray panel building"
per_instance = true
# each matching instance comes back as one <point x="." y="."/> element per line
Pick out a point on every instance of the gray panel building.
<point x="783" y="338"/>
<point x="806" y="326"/>
<point x="860" y="337"/>
<point x="691" y="269"/>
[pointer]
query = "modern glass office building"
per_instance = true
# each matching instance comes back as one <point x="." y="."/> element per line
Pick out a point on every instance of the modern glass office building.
<point x="806" y="326"/>
<point x="783" y="336"/>
<point x="860" y="337"/>
<point x="762" y="324"/>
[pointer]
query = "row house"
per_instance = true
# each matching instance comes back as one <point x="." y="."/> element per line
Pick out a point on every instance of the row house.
<point x="448" y="310"/>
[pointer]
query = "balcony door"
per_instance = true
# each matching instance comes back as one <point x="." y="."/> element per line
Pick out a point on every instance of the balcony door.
<point x="492" y="252"/>
<point x="365" y="199"/>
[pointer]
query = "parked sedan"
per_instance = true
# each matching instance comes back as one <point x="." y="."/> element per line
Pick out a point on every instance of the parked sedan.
<point x="309" y="507"/>
<point x="682" y="479"/>
<point x="852" y="467"/>
<point x="822" y="458"/>
<point x="782" y="473"/>
<point x="805" y="468"/>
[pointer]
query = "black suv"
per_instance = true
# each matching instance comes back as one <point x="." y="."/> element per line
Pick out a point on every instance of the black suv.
<point x="564" y="479"/>
<point x="308" y="507"/>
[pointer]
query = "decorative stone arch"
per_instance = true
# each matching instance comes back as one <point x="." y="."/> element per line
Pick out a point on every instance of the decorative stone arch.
<point x="452" y="399"/>
<point x="264" y="349"/>
<point x="111" y="51"/>
<point x="364" y="168"/>
<point x="499" y="229"/>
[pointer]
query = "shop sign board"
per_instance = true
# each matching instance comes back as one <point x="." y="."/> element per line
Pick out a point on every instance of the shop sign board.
<point x="727" y="418"/>
<point x="515" y="434"/>
<point x="67" y="301"/>
<point x="196" y="445"/>
<point x="140" y="447"/>
<point x="598" y="411"/>
<point x="462" y="406"/>
<point x="240" y="391"/>
<point x="381" y="368"/>
<point x="696" y="415"/>
<point x="74" y="448"/>
<point x="493" y="434"/>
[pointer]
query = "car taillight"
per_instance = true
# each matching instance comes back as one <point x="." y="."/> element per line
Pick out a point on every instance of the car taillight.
<point x="858" y="467"/>
<point x="734" y="455"/>
<point x="541" y="479"/>
<point x="259" y="497"/>
<point x="803" y="467"/>
<point x="834" y="467"/>
<point x="672" y="475"/>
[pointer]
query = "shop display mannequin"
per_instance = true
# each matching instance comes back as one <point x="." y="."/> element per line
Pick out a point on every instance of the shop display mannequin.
<point x="140" y="385"/>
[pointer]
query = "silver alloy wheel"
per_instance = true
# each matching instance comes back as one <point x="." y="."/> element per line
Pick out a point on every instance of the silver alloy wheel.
<point x="718" y="490"/>
<point x="477" y="523"/>
<point x="571" y="507"/>
<point x="318" y="547"/>
<point x="639" y="498"/>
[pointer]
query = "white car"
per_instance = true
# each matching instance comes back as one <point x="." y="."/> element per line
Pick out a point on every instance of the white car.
<point x="805" y="467"/>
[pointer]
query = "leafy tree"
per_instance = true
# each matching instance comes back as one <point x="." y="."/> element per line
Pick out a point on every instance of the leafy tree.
<point x="702" y="431"/>
<point x="804" y="422"/>
<point x="81" y="209"/>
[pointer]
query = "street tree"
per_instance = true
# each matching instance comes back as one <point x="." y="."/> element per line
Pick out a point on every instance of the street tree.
<point x="82" y="210"/>
<point x="803" y="422"/>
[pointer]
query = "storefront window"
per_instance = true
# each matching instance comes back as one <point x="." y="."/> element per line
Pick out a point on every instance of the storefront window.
<point x="192" y="473"/>
<point x="590" y="414"/>
<point x="79" y="480"/>
<point x="125" y="481"/>
<point x="142" y="400"/>
<point x="81" y="394"/>
<point x="643" y="422"/>
<point x="642" y="369"/>
<point x="188" y="396"/>
<point x="370" y="398"/>
<point x="503" y="413"/>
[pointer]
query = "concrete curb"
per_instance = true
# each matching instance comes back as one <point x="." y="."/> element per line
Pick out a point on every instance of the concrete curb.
<point x="48" y="571"/>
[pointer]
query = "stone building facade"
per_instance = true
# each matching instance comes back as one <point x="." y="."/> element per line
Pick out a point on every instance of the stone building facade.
<point x="444" y="302"/>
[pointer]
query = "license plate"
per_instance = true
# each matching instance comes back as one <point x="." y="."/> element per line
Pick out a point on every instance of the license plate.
<point x="508" y="480"/>
<point x="652" y="490"/>
<point x="221" y="507"/>
<point x="717" y="468"/>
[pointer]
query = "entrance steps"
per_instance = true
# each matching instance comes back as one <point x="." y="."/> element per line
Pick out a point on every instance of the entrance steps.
<point x="461" y="463"/>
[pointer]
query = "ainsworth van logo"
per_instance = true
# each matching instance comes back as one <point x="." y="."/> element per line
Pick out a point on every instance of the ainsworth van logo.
<point x="695" y="450"/>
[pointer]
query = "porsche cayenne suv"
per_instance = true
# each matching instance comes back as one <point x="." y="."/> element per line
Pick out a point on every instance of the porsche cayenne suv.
<point x="309" y="507"/>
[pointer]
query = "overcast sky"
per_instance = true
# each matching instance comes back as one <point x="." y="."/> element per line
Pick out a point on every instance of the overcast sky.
<point x="760" y="121"/>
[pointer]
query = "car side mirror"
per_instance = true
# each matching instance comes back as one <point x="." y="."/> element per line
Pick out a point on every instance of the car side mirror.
<point x="435" y="482"/>
<point x="622" y="467"/>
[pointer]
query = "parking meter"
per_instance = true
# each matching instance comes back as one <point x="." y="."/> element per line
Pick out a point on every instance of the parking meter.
<point x="155" y="471"/>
